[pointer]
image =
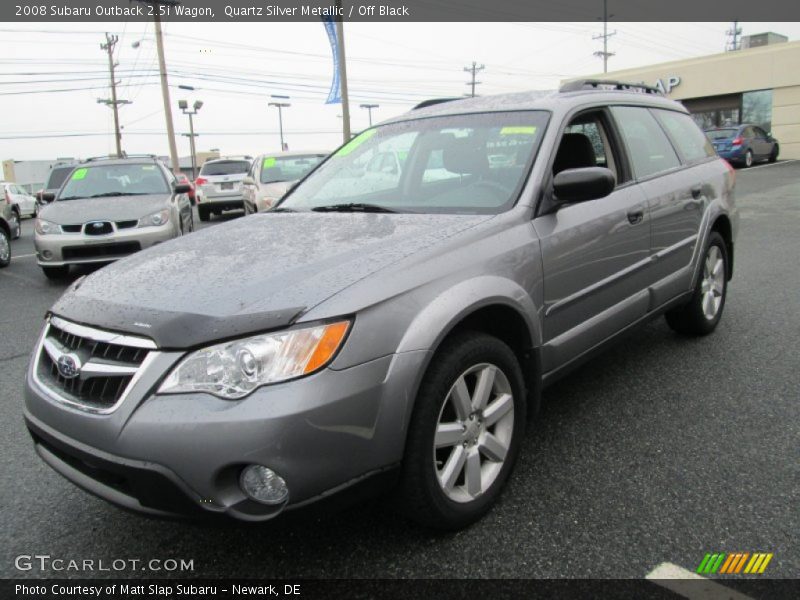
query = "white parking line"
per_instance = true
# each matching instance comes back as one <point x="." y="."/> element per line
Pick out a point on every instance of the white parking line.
<point x="685" y="583"/>
<point x="23" y="256"/>
<point x="776" y="164"/>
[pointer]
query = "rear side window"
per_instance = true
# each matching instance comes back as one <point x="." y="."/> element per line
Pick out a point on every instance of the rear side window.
<point x="686" y="135"/>
<point x="226" y="167"/>
<point x="648" y="147"/>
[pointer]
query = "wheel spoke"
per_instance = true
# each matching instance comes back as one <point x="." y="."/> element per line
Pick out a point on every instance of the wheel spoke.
<point x="708" y="305"/>
<point x="492" y="448"/>
<point x="472" y="473"/>
<point x="483" y="388"/>
<point x="717" y="271"/>
<point x="449" y="434"/>
<point x="452" y="468"/>
<point x="497" y="409"/>
<point x="461" y="399"/>
<point x="718" y="287"/>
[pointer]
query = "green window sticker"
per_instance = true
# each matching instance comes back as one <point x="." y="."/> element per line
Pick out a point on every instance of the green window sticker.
<point x="79" y="174"/>
<point x="356" y="142"/>
<point x="518" y="130"/>
<point x="269" y="163"/>
<point x="148" y="168"/>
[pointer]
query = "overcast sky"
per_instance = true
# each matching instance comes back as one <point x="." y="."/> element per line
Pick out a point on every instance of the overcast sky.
<point x="236" y="67"/>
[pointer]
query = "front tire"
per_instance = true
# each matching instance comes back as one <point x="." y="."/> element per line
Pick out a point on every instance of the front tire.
<point x="5" y="249"/>
<point x="465" y="432"/>
<point x="56" y="273"/>
<point x="773" y="156"/>
<point x="748" y="159"/>
<point x="701" y="314"/>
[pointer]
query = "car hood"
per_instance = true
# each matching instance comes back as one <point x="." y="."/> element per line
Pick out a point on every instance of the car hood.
<point x="117" y="208"/>
<point x="250" y="275"/>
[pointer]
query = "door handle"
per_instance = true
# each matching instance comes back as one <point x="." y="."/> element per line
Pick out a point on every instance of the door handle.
<point x="697" y="191"/>
<point x="635" y="217"/>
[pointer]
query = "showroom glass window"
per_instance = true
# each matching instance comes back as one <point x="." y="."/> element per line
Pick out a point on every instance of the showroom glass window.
<point x="757" y="108"/>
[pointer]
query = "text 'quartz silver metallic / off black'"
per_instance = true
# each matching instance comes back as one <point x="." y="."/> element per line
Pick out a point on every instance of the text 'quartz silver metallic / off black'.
<point x="406" y="320"/>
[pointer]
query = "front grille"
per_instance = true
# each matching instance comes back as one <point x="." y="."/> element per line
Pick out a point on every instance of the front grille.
<point x="71" y="228"/>
<point x="98" y="366"/>
<point x="100" y="250"/>
<point x="127" y="224"/>
<point x="98" y="228"/>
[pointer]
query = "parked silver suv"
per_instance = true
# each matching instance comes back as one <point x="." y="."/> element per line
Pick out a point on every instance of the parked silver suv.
<point x="109" y="208"/>
<point x="219" y="185"/>
<point x="401" y="326"/>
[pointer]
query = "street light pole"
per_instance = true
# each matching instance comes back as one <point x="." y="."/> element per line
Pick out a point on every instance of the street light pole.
<point x="369" y="108"/>
<point x="184" y="106"/>
<point x="280" y="106"/>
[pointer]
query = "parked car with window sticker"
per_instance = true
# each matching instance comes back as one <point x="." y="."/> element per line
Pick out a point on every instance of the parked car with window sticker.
<point x="108" y="209"/>
<point x="398" y="329"/>
<point x="271" y="176"/>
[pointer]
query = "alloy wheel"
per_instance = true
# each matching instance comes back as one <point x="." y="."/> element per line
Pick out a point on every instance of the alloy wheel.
<point x="473" y="433"/>
<point x="713" y="285"/>
<point x="5" y="249"/>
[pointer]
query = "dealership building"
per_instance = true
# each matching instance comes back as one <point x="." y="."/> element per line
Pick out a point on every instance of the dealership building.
<point x="759" y="84"/>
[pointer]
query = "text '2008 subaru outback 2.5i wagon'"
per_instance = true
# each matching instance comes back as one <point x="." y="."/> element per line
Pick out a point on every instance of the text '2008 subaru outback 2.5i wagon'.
<point x="401" y="326"/>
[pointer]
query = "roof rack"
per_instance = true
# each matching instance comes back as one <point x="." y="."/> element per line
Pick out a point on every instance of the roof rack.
<point x="596" y="84"/>
<point x="124" y="155"/>
<point x="433" y="102"/>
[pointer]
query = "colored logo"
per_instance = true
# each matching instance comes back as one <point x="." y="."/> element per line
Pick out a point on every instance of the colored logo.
<point x="734" y="563"/>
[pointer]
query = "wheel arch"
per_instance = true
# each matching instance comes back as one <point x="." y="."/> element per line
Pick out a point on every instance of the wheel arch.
<point x="722" y="225"/>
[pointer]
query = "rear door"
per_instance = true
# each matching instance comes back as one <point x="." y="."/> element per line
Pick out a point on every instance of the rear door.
<point x="594" y="253"/>
<point x="761" y="142"/>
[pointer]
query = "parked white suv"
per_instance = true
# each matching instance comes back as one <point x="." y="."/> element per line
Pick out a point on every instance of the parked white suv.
<point x="219" y="185"/>
<point x="23" y="203"/>
<point x="272" y="175"/>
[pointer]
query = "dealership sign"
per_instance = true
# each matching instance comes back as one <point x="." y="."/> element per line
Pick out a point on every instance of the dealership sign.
<point x="665" y="85"/>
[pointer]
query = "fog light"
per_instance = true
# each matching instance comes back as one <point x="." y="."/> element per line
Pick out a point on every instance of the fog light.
<point x="263" y="485"/>
<point x="47" y="255"/>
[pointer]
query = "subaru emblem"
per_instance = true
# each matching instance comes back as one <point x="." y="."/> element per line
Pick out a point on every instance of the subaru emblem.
<point x="69" y="366"/>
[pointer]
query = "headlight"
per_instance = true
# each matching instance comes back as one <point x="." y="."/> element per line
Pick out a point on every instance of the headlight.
<point x="154" y="220"/>
<point x="43" y="227"/>
<point x="234" y="369"/>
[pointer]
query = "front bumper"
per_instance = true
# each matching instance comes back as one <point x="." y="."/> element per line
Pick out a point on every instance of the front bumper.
<point x="78" y="248"/>
<point x="182" y="454"/>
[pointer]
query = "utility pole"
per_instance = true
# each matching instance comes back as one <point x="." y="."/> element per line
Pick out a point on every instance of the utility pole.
<point x="474" y="70"/>
<point x="111" y="41"/>
<point x="369" y="108"/>
<point x="733" y="35"/>
<point x="343" y="75"/>
<point x="605" y="35"/>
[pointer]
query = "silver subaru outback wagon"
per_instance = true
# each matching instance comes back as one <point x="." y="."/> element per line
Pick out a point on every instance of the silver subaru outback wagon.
<point x="403" y="326"/>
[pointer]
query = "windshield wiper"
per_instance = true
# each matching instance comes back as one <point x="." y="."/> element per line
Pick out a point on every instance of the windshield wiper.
<point x="112" y="194"/>
<point x="353" y="207"/>
<point x="281" y="209"/>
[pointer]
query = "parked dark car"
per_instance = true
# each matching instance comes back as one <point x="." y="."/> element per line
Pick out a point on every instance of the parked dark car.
<point x="57" y="176"/>
<point x="9" y="229"/>
<point x="743" y="144"/>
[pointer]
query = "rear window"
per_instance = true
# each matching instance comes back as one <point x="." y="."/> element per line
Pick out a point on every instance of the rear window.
<point x="686" y="135"/>
<point x="720" y="134"/>
<point x="225" y="167"/>
<point x="57" y="177"/>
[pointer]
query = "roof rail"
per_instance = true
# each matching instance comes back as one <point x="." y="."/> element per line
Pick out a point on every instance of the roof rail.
<point x="433" y="102"/>
<point x="596" y="84"/>
<point x="110" y="157"/>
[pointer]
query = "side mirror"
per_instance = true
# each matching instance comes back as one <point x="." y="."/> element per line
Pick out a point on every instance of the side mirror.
<point x="182" y="188"/>
<point x="48" y="197"/>
<point x="580" y="185"/>
<point x="248" y="181"/>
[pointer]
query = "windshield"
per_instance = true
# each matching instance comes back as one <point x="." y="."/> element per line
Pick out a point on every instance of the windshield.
<point x="288" y="168"/>
<point x="464" y="164"/>
<point x="96" y="181"/>
<point x="57" y="177"/>
<point x="225" y="167"/>
<point x="720" y="134"/>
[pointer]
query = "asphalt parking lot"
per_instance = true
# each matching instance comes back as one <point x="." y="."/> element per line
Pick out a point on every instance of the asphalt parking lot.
<point x="660" y="450"/>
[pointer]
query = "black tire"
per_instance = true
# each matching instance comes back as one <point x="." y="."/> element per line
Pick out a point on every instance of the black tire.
<point x="5" y="248"/>
<point x="421" y="497"/>
<point x="191" y="221"/>
<point x="202" y="212"/>
<point x="690" y="318"/>
<point x="56" y="273"/>
<point x="773" y="156"/>
<point x="748" y="159"/>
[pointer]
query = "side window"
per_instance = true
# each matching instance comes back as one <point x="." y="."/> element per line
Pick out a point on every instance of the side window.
<point x="586" y="143"/>
<point x="748" y="133"/>
<point x="760" y="132"/>
<point x="692" y="143"/>
<point x="648" y="147"/>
